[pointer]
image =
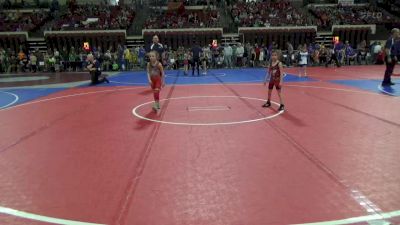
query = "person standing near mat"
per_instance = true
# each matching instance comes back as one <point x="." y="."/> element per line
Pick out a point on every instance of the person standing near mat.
<point x="275" y="74"/>
<point x="186" y="58"/>
<point x="303" y="61"/>
<point x="392" y="53"/>
<point x="156" y="46"/>
<point x="335" y="55"/>
<point x="156" y="76"/>
<point x="196" y="51"/>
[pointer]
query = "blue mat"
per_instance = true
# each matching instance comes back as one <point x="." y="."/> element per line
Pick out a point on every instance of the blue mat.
<point x="11" y="97"/>
<point x="19" y="96"/>
<point x="372" y="85"/>
<point x="247" y="75"/>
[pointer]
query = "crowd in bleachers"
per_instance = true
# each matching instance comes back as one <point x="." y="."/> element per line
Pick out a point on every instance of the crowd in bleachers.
<point x="185" y="19"/>
<point x="341" y="14"/>
<point x="266" y="13"/>
<point x="94" y="17"/>
<point x="392" y="6"/>
<point x="22" y="4"/>
<point x="71" y="59"/>
<point x="22" y="21"/>
<point x="225" y="56"/>
<point x="197" y="2"/>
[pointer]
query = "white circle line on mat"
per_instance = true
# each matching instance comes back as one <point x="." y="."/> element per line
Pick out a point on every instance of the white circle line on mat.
<point x="16" y="98"/>
<point x="69" y="96"/>
<point x="136" y="114"/>
<point x="47" y="219"/>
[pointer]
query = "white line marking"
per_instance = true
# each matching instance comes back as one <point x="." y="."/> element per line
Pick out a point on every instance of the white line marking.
<point x="207" y="108"/>
<point x="67" y="96"/>
<point x="200" y="76"/>
<point x="16" y="98"/>
<point x="204" y="124"/>
<point x="234" y="83"/>
<point x="352" y="220"/>
<point x="70" y="222"/>
<point x="334" y="89"/>
<point x="41" y="218"/>
<point x="239" y="82"/>
<point x="117" y="82"/>
<point x="23" y="79"/>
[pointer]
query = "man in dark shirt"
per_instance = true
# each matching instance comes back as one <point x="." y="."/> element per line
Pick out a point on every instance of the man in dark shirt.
<point x="156" y="46"/>
<point x="196" y="51"/>
<point x="95" y="71"/>
<point x="392" y="53"/>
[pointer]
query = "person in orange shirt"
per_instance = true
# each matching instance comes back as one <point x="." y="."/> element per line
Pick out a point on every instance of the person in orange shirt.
<point x="23" y="61"/>
<point x="21" y="55"/>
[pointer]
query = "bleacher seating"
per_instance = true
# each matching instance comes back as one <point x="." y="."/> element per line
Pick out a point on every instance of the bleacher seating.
<point x="267" y="13"/>
<point x="95" y="17"/>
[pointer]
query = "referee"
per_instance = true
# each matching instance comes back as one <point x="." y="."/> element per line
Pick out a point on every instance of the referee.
<point x="392" y="50"/>
<point x="156" y="46"/>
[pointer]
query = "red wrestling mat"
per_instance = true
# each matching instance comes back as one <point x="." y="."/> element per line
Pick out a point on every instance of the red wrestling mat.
<point x="81" y="155"/>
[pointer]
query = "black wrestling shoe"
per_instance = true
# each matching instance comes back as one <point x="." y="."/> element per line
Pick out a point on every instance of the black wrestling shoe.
<point x="281" y="107"/>
<point x="267" y="104"/>
<point x="107" y="81"/>
<point x="391" y="83"/>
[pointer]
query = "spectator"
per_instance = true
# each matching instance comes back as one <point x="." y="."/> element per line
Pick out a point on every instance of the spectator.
<point x="228" y="55"/>
<point x="350" y="53"/>
<point x="107" y="60"/>
<point x="128" y="60"/>
<point x="290" y="52"/>
<point x="239" y="54"/>
<point x="205" y="56"/>
<point x="377" y="49"/>
<point x="142" y="53"/>
<point x="362" y="51"/>
<point x="323" y="54"/>
<point x="234" y="55"/>
<point x="33" y="62"/>
<point x="3" y="61"/>
<point x="220" y="60"/>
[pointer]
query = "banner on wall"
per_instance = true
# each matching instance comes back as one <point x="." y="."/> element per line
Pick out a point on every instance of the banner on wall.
<point x="346" y="2"/>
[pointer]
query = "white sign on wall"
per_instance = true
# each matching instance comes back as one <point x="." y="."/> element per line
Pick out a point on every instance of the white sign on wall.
<point x="346" y="2"/>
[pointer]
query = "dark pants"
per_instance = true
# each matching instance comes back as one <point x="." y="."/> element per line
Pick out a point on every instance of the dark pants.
<point x="334" y="57"/>
<point x="388" y="72"/>
<point x="196" y="63"/>
<point x="322" y="59"/>
<point x="33" y="68"/>
<point x="239" y="61"/>
<point x="96" y="78"/>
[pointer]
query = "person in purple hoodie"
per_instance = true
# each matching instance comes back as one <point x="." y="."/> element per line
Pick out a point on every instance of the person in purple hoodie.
<point x="350" y="53"/>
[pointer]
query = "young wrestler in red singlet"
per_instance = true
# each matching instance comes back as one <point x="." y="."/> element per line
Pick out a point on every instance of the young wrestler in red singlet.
<point x="155" y="75"/>
<point x="275" y="73"/>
